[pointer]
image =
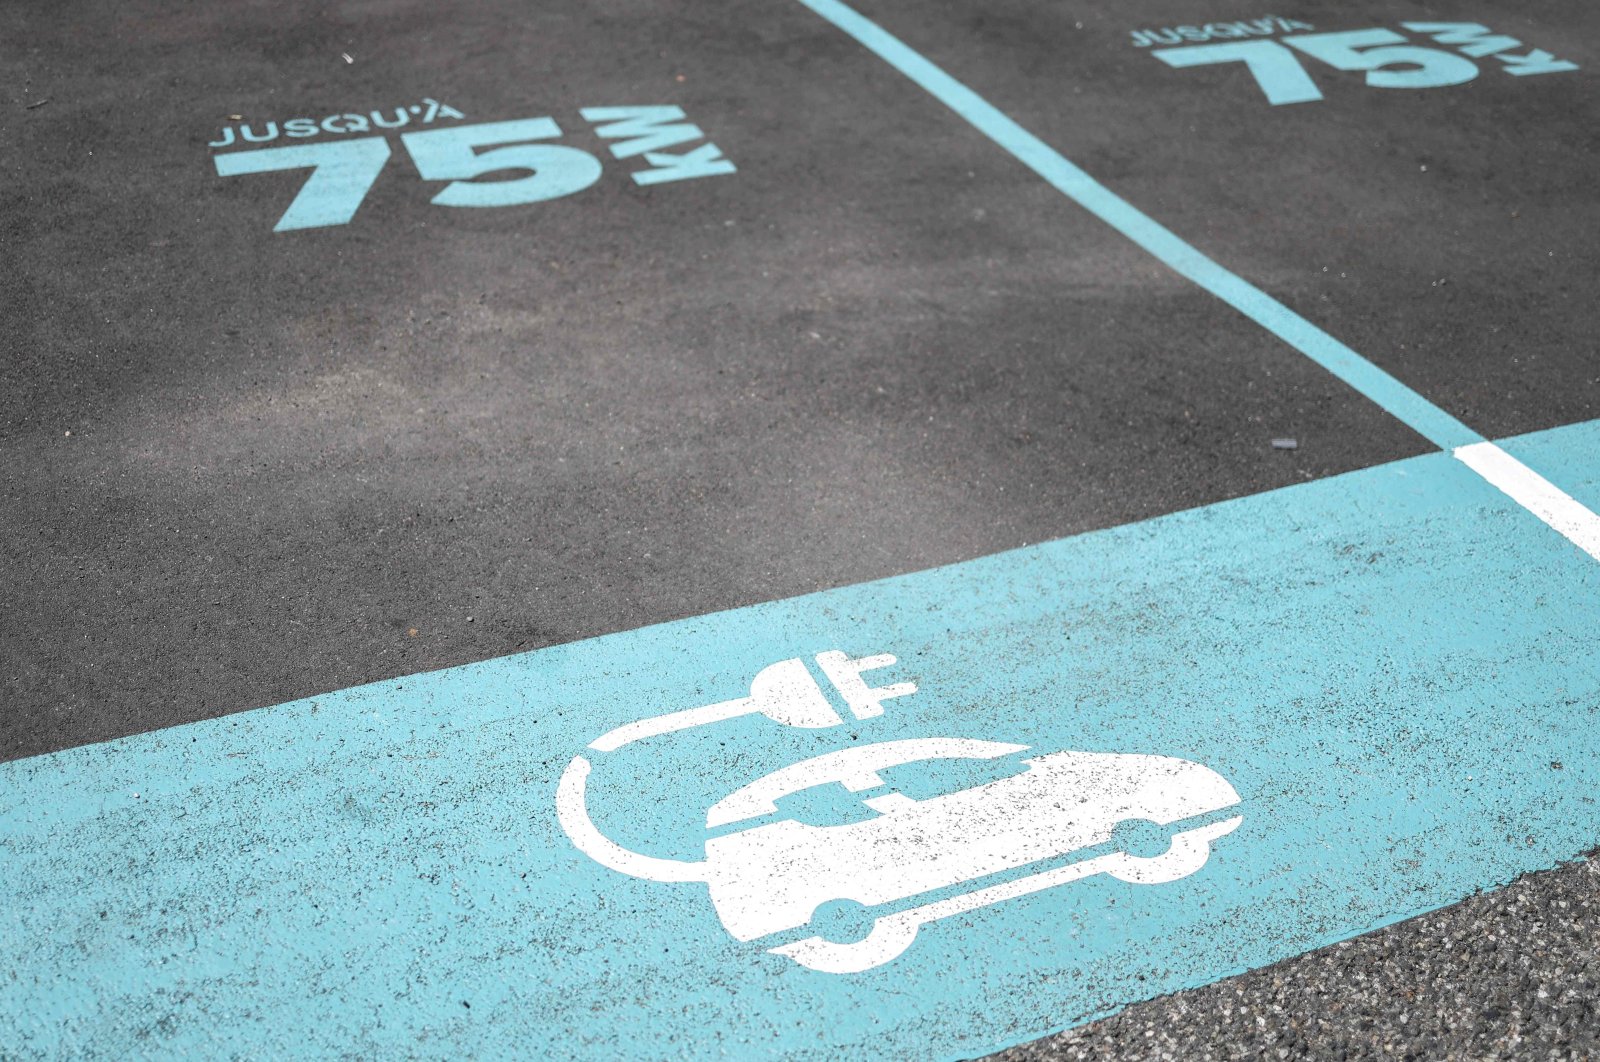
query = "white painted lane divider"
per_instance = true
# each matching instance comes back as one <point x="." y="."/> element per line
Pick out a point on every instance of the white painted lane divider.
<point x="1558" y="509"/>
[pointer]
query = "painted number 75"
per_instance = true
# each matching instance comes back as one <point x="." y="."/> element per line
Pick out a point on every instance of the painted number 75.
<point x="343" y="171"/>
<point x="1279" y="73"/>
<point x="1387" y="58"/>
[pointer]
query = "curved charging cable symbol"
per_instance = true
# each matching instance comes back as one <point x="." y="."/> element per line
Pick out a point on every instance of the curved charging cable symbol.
<point x="784" y="692"/>
<point x="573" y="812"/>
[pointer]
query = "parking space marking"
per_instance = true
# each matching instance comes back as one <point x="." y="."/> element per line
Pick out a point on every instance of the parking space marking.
<point x="1573" y="520"/>
<point x="1419" y="414"/>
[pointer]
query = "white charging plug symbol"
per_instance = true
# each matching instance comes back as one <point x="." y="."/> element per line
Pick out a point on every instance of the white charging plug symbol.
<point x="785" y="692"/>
<point x="864" y="701"/>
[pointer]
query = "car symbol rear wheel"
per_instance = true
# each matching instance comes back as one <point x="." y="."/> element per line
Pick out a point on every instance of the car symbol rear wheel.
<point x="843" y="922"/>
<point x="1141" y="839"/>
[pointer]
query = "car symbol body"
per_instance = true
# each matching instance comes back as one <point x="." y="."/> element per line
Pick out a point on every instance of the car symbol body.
<point x="773" y="877"/>
<point x="917" y="861"/>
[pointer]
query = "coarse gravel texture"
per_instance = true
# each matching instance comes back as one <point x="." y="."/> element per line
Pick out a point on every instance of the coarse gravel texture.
<point x="1510" y="974"/>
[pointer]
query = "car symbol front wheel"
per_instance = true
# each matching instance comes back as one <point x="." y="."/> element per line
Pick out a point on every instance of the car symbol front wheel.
<point x="1188" y="853"/>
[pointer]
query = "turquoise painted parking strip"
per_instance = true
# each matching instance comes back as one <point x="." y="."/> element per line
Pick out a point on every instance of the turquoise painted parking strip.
<point x="1399" y="400"/>
<point x="1373" y="695"/>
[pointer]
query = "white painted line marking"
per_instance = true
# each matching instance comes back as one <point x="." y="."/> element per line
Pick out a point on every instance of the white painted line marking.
<point x="1562" y="512"/>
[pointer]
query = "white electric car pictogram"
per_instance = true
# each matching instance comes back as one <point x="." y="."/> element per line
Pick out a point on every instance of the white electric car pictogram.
<point x="1055" y="822"/>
